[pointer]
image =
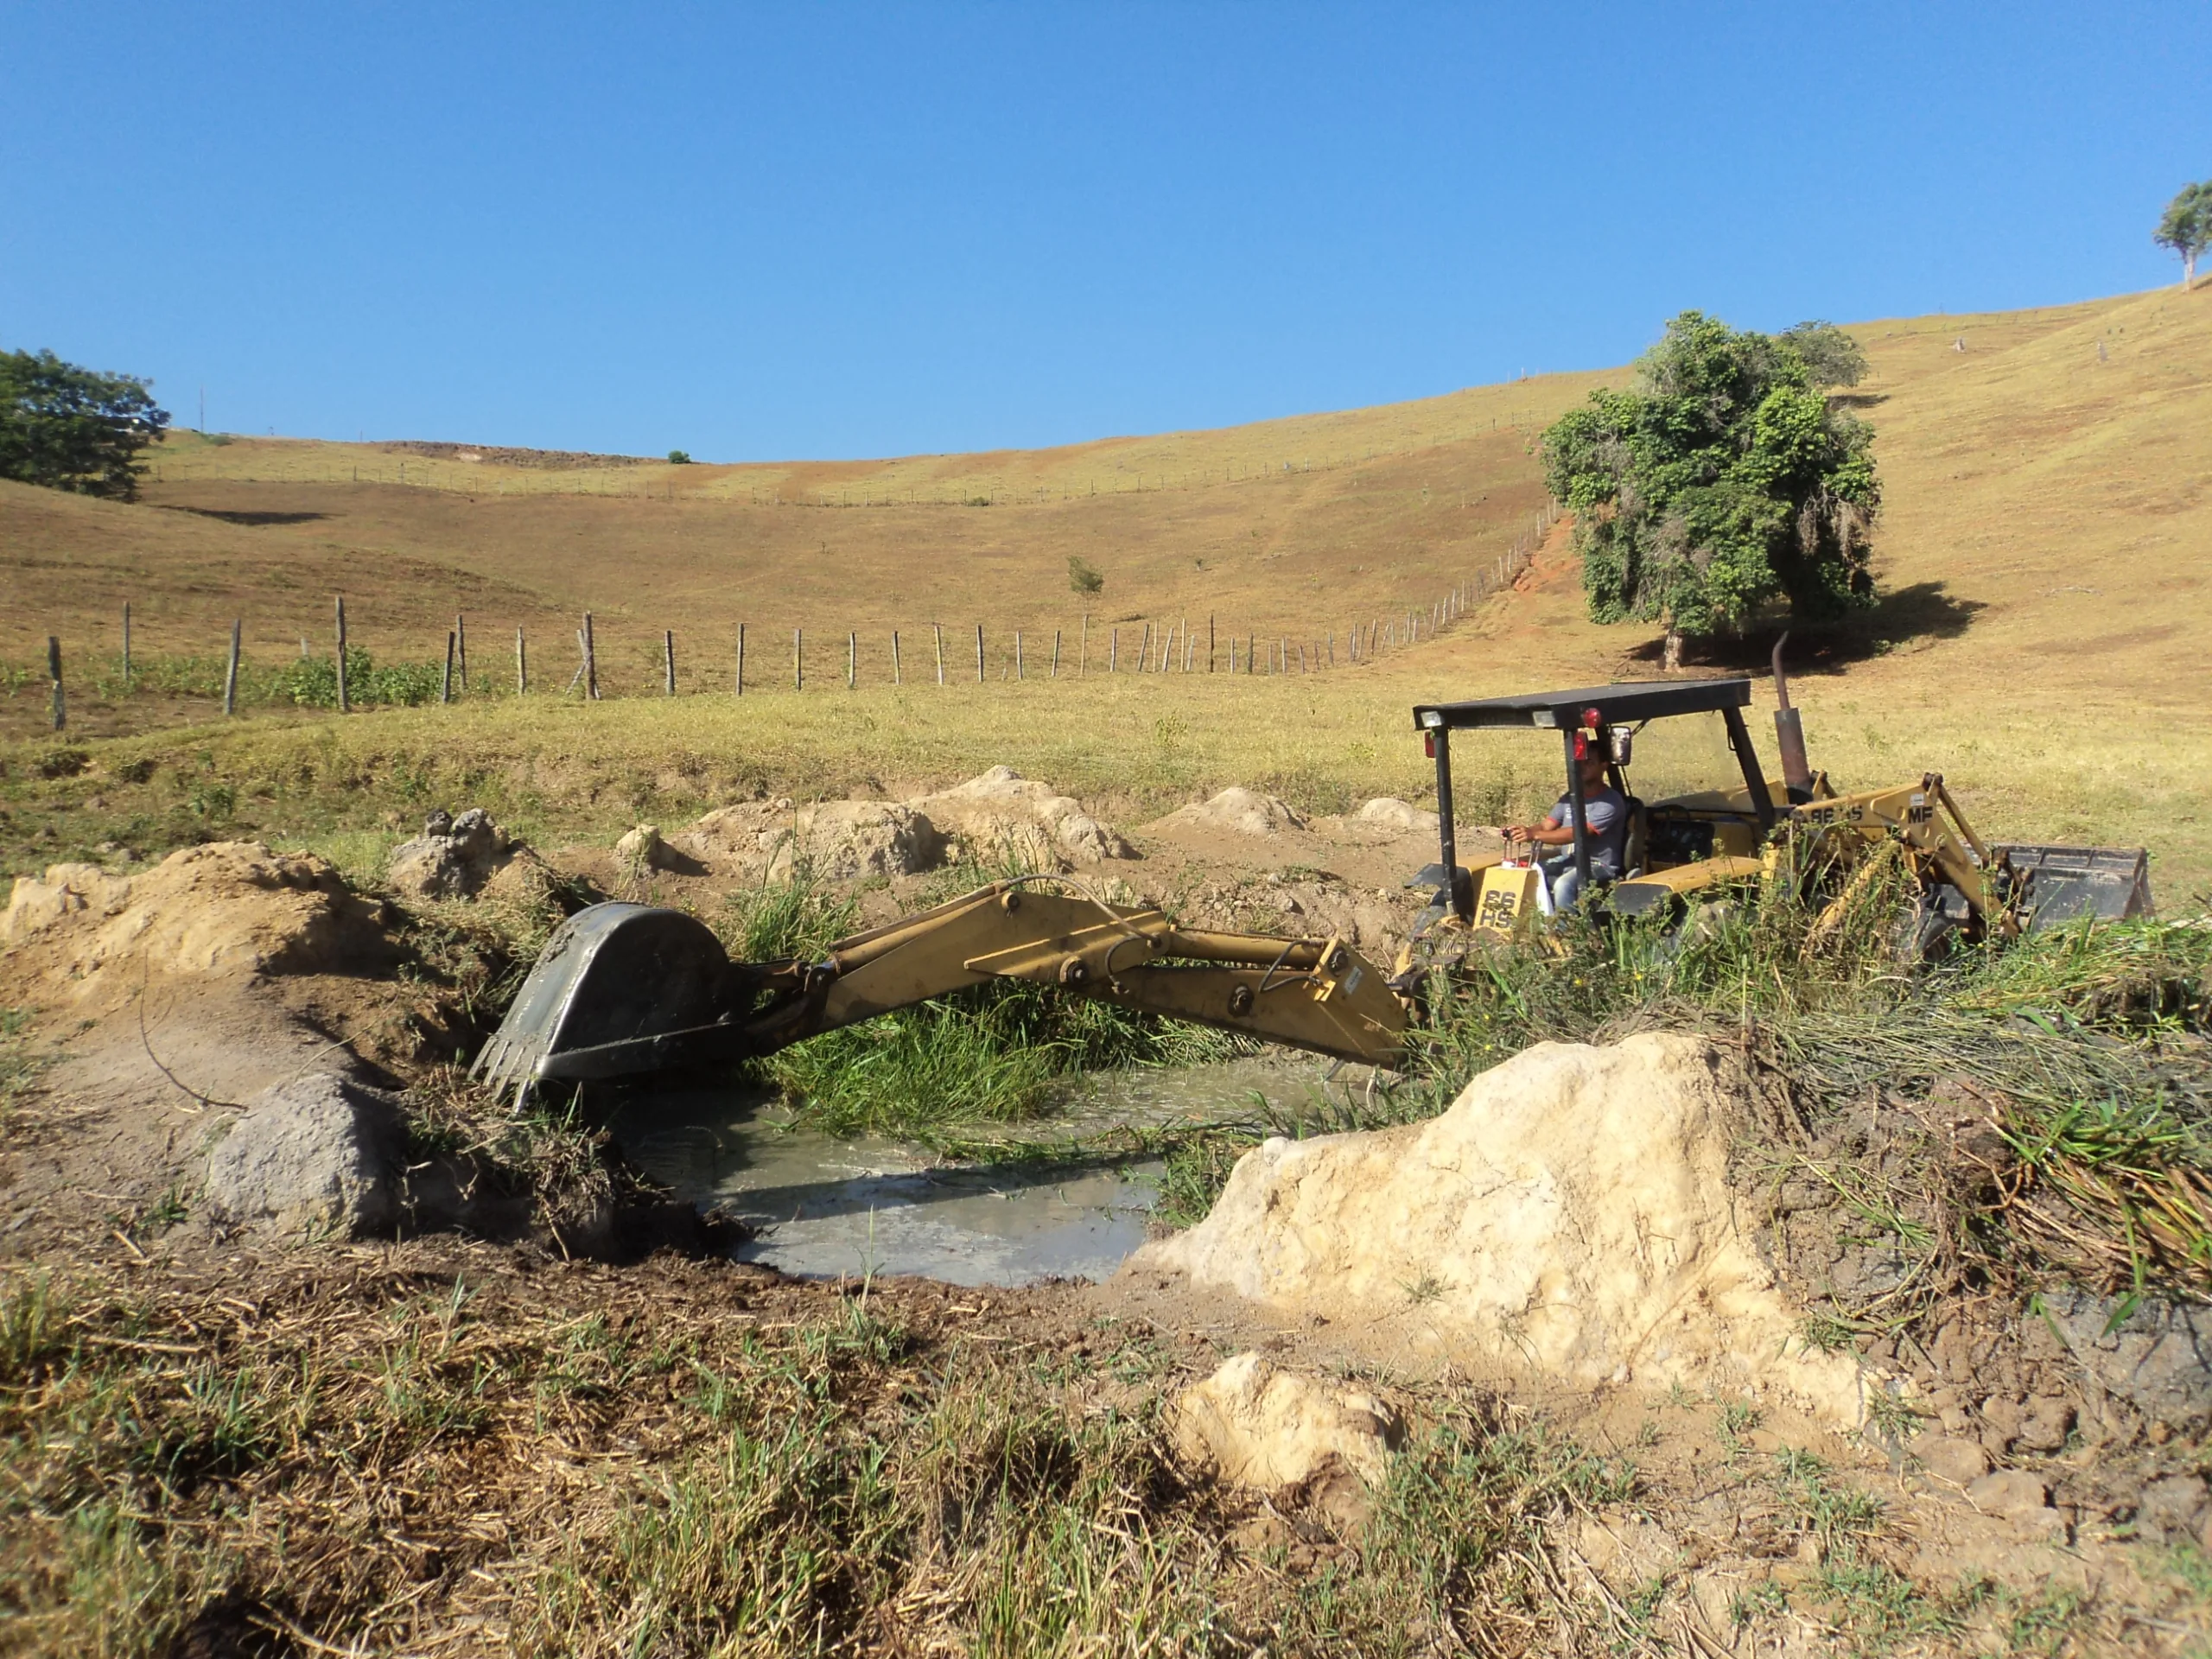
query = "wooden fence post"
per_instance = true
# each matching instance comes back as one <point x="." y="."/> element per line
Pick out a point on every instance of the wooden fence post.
<point x="1144" y="648"/>
<point x="895" y="679"/>
<point x="937" y="628"/>
<point x="53" y="673"/>
<point x="798" y="659"/>
<point x="126" y="644"/>
<point x="591" y="663"/>
<point x="667" y="659"/>
<point x="460" y="644"/>
<point x="1017" y="654"/>
<point x="445" y="681"/>
<point x="979" y="653"/>
<point x="522" y="666"/>
<point x="1114" y="651"/>
<point x="741" y="659"/>
<point x="230" y="672"/>
<point x="1083" y="648"/>
<point x="1055" y="674"/>
<point x="1332" y="647"/>
<point x="342" y="653"/>
<point x="852" y="659"/>
<point x="1209" y="645"/>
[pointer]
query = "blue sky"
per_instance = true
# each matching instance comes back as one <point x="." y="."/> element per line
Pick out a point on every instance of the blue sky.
<point x="773" y="232"/>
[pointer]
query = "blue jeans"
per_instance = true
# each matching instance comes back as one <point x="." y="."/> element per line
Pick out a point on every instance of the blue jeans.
<point x="1564" y="881"/>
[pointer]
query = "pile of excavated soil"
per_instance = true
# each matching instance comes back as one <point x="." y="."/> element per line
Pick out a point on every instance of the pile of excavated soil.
<point x="998" y="816"/>
<point x="229" y="909"/>
<point x="1570" y="1217"/>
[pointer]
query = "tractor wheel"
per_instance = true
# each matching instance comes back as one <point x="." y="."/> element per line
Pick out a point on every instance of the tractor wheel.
<point x="1933" y="928"/>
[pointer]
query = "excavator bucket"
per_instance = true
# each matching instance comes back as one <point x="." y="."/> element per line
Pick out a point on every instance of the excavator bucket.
<point x="2063" y="884"/>
<point x="612" y="972"/>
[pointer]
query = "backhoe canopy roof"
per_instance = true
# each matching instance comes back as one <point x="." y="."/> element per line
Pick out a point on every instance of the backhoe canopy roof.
<point x="1566" y="710"/>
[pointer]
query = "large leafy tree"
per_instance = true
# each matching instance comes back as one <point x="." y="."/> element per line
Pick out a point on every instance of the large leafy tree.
<point x="1724" y="482"/>
<point x="2187" y="228"/>
<point x="72" y="428"/>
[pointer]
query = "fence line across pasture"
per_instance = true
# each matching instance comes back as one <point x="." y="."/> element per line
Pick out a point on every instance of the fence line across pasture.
<point x="1164" y="646"/>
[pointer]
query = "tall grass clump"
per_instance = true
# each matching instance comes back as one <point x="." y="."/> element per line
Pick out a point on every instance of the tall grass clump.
<point x="991" y="1054"/>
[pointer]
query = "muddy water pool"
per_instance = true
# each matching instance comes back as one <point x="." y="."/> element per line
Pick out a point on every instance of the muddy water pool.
<point x="825" y="1207"/>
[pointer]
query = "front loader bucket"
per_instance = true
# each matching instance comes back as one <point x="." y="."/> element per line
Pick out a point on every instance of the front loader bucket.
<point x="610" y="974"/>
<point x="2063" y="884"/>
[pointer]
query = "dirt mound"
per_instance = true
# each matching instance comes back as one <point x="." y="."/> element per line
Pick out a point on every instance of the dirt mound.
<point x="1001" y="814"/>
<point x="1386" y="816"/>
<point x="231" y="908"/>
<point x="1268" y="1428"/>
<point x="1569" y="1216"/>
<point x="453" y="858"/>
<point x="842" y="840"/>
<point x="1238" y="810"/>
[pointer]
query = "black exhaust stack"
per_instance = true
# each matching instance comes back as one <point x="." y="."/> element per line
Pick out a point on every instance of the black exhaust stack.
<point x="1789" y="732"/>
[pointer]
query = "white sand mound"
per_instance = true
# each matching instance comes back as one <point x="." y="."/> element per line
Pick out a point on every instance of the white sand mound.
<point x="842" y="840"/>
<point x="1388" y="813"/>
<point x="1001" y="814"/>
<point x="1240" y="811"/>
<point x="229" y="907"/>
<point x="1568" y="1218"/>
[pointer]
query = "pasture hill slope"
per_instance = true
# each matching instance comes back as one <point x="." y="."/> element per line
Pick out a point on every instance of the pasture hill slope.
<point x="1269" y="527"/>
<point x="2043" y="552"/>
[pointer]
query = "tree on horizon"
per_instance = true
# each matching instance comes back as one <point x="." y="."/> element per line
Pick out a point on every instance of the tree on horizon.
<point x="68" y="428"/>
<point x="2187" y="228"/>
<point x="1724" y="482"/>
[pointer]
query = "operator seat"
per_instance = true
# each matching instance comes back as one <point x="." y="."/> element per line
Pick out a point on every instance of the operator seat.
<point x="1638" y="839"/>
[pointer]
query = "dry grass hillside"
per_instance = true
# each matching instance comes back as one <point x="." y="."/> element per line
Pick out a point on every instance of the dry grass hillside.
<point x="1293" y="526"/>
<point x="2043" y="552"/>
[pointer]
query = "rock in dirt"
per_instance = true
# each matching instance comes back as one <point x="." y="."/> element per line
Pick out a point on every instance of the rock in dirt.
<point x="1569" y="1216"/>
<point x="1958" y="1461"/>
<point x="1266" y="1428"/>
<point x="642" y="849"/>
<point x="228" y="907"/>
<point x="1002" y="815"/>
<point x="1239" y="812"/>
<point x="2020" y="1497"/>
<point x="838" y="840"/>
<point x="453" y="858"/>
<point x="321" y="1156"/>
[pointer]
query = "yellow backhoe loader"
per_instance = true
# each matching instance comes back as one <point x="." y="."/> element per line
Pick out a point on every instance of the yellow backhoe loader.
<point x="624" y="989"/>
<point x="1677" y="849"/>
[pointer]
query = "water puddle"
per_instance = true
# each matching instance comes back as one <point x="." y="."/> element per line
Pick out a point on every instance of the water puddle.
<point x="826" y="1207"/>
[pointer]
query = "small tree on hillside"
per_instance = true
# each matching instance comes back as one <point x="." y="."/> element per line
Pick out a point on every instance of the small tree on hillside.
<point x="1723" y="482"/>
<point x="2187" y="228"/>
<point x="1082" y="578"/>
<point x="72" y="428"/>
<point x="1832" y="356"/>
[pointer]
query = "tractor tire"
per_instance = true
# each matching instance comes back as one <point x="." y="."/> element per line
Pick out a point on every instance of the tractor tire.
<point x="1934" y="926"/>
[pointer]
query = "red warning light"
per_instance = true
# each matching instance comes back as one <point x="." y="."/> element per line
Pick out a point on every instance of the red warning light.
<point x="1590" y="717"/>
<point x="1428" y="744"/>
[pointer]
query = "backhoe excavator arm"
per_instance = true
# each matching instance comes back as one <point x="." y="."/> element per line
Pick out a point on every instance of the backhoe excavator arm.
<point x="588" y="1009"/>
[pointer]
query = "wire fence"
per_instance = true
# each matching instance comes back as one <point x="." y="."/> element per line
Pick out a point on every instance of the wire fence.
<point x="748" y="663"/>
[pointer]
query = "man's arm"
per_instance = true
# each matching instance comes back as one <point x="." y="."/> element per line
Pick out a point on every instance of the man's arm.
<point x="1550" y="833"/>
